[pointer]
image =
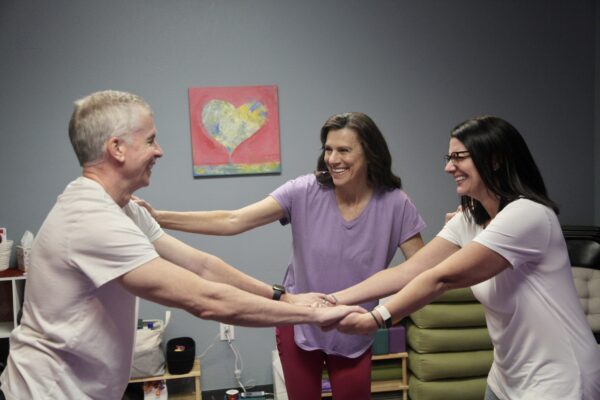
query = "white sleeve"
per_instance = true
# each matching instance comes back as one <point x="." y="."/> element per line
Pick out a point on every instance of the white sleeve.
<point x="459" y="230"/>
<point x="113" y="242"/>
<point x="142" y="218"/>
<point x="520" y="232"/>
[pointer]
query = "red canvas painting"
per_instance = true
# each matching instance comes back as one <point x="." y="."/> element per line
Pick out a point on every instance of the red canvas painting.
<point x="235" y="130"/>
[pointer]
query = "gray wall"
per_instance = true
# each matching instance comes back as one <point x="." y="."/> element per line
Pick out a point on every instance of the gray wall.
<point x="418" y="68"/>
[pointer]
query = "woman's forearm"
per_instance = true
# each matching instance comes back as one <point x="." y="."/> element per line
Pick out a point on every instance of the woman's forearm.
<point x="391" y="280"/>
<point x="382" y="284"/>
<point x="222" y="222"/>
<point x="205" y="222"/>
<point x="417" y="293"/>
<point x="471" y="265"/>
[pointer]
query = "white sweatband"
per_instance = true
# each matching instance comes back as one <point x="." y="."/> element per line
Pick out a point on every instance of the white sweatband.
<point x="385" y="315"/>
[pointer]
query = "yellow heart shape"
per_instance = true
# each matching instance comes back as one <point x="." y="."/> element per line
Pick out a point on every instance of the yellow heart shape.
<point x="229" y="125"/>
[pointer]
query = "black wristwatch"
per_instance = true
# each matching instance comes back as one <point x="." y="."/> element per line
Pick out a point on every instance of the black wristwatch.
<point x="278" y="290"/>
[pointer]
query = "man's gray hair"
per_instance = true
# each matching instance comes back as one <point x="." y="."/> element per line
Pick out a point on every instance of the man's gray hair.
<point x="100" y="116"/>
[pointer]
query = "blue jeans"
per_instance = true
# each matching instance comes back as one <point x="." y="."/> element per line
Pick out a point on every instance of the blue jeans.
<point x="489" y="395"/>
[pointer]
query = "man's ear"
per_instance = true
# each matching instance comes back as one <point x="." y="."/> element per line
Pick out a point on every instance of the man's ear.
<point x="116" y="148"/>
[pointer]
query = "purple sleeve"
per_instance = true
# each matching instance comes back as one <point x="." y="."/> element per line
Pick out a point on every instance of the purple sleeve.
<point x="284" y="195"/>
<point x="412" y="223"/>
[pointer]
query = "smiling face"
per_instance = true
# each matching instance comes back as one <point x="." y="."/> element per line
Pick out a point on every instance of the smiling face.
<point x="465" y="174"/>
<point x="345" y="158"/>
<point x="142" y="150"/>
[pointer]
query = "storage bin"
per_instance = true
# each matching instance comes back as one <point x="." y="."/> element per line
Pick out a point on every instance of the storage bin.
<point x="381" y="344"/>
<point x="397" y="339"/>
<point x="181" y="352"/>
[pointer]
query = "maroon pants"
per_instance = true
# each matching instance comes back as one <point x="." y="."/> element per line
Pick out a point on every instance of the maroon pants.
<point x="350" y="378"/>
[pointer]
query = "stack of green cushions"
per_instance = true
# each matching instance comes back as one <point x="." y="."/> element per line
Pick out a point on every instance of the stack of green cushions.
<point x="449" y="349"/>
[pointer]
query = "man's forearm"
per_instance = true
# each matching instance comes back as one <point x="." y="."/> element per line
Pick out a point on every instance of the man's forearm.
<point x="220" y="271"/>
<point x="231" y="305"/>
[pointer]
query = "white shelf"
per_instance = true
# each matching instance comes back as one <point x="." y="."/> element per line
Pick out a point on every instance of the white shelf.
<point x="194" y="374"/>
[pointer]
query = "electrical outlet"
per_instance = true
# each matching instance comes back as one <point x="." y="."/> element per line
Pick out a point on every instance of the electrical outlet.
<point x="226" y="332"/>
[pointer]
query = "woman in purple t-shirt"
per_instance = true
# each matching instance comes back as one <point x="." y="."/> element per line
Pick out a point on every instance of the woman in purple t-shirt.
<point x="347" y="220"/>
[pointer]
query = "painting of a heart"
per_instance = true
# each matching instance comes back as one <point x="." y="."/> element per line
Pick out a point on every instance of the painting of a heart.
<point x="229" y="125"/>
<point x="235" y="130"/>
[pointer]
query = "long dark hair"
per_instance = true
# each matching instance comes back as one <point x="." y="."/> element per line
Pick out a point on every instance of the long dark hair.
<point x="504" y="163"/>
<point x="377" y="154"/>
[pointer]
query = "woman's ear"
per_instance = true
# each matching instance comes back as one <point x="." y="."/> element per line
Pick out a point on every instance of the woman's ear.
<point x="115" y="148"/>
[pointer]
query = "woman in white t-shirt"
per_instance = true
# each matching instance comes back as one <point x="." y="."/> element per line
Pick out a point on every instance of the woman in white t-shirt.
<point x="507" y="244"/>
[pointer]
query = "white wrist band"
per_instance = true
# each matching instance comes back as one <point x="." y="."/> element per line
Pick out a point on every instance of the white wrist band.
<point x="385" y="315"/>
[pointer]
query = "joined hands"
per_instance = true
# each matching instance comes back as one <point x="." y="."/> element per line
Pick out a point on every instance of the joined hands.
<point x="346" y="319"/>
<point x="329" y="314"/>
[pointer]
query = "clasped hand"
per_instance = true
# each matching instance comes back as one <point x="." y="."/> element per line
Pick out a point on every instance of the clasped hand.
<point x="355" y="323"/>
<point x="330" y="315"/>
<point x="347" y="319"/>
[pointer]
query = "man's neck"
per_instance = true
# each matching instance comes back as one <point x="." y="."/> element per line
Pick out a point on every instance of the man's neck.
<point x="111" y="184"/>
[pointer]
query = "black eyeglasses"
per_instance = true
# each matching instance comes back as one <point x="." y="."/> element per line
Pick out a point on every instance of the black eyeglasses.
<point x="456" y="156"/>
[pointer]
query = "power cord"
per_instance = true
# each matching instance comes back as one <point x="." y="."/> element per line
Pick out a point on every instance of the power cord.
<point x="238" y="366"/>
<point x="209" y="347"/>
<point x="238" y="363"/>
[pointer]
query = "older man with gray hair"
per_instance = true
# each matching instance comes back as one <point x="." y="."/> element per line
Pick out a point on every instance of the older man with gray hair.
<point x="97" y="250"/>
